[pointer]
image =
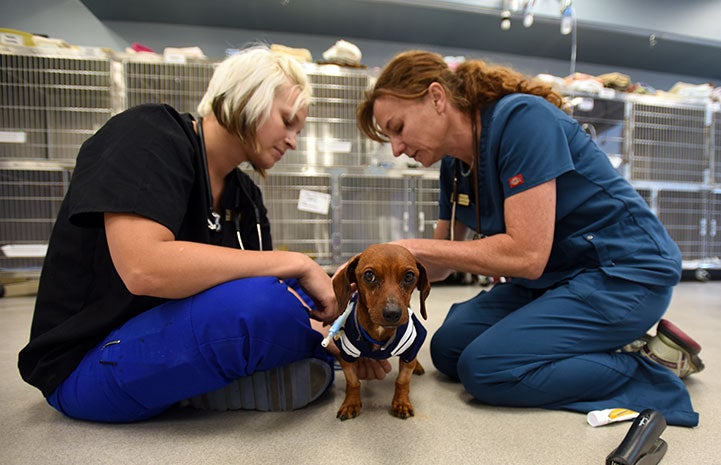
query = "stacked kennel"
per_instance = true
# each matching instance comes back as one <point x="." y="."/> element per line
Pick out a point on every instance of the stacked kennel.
<point x="669" y="158"/>
<point x="337" y="192"/>
<point x="49" y="104"/>
<point x="669" y="151"/>
<point x="714" y="197"/>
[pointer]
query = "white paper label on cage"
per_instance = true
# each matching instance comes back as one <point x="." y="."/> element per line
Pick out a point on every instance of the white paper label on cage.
<point x="11" y="39"/>
<point x="91" y="52"/>
<point x="13" y="137"/>
<point x="334" y="145"/>
<point x="712" y="109"/>
<point x="24" y="250"/>
<point x="313" y="202"/>
<point x="175" y="58"/>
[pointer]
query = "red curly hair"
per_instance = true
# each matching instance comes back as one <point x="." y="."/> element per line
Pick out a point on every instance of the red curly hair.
<point x="471" y="87"/>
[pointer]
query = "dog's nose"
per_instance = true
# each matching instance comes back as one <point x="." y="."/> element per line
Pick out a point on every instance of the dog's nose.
<point x="392" y="312"/>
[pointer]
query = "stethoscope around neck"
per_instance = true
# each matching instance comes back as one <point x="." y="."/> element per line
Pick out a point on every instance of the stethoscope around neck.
<point x="473" y="185"/>
<point x="213" y="217"/>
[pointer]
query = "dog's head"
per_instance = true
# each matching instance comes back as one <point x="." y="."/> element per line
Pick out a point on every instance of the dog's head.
<point x="385" y="276"/>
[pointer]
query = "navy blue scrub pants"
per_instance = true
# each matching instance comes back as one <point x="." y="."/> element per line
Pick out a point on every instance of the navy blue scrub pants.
<point x="188" y="347"/>
<point x="557" y="348"/>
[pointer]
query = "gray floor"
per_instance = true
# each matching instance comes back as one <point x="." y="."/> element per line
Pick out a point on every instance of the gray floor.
<point x="448" y="427"/>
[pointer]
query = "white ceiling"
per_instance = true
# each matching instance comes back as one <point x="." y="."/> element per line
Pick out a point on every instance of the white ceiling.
<point x="415" y="23"/>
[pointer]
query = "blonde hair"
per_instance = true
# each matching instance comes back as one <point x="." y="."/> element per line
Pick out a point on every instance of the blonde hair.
<point x="471" y="87"/>
<point x="241" y="92"/>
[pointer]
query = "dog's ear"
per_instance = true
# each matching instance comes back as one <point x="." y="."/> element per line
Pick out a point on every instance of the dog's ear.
<point x="342" y="280"/>
<point x="424" y="286"/>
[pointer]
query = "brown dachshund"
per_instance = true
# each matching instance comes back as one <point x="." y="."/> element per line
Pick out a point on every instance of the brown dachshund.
<point x="382" y="324"/>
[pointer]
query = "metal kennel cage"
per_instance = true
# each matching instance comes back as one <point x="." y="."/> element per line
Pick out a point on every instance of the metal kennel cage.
<point x="49" y="104"/>
<point x="294" y="228"/>
<point x="715" y="143"/>
<point x="669" y="142"/>
<point x="180" y="85"/>
<point x="30" y="197"/>
<point x="330" y="137"/>
<point x="362" y="209"/>
<point x="383" y="208"/>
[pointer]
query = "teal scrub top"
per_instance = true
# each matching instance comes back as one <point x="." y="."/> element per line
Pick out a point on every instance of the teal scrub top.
<point x="601" y="221"/>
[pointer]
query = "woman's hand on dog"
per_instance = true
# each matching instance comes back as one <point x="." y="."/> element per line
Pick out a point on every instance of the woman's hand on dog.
<point x="369" y="369"/>
<point x="317" y="284"/>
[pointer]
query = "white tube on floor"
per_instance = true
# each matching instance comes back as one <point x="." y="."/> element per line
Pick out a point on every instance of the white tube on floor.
<point x="611" y="415"/>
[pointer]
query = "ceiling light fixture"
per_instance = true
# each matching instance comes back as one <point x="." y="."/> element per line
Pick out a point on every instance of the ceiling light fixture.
<point x="568" y="17"/>
<point x="528" y="13"/>
<point x="506" y="15"/>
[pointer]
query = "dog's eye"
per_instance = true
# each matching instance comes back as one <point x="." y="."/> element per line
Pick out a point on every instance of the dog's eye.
<point x="409" y="277"/>
<point x="369" y="277"/>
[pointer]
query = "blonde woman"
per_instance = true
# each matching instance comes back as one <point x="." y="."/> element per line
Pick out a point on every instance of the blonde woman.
<point x="160" y="282"/>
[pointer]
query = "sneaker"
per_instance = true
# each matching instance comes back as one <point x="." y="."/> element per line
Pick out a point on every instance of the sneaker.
<point x="281" y="389"/>
<point x="637" y="345"/>
<point x="674" y="349"/>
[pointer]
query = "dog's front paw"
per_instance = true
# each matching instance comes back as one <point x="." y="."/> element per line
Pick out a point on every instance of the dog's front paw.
<point x="402" y="409"/>
<point x="349" y="410"/>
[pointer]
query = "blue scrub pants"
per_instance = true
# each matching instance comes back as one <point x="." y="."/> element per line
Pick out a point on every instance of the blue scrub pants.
<point x="557" y="348"/>
<point x="188" y="347"/>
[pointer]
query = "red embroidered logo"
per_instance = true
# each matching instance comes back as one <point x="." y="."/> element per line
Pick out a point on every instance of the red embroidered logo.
<point x="515" y="181"/>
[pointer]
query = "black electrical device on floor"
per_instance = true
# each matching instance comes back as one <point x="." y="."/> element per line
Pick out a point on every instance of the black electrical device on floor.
<point x="642" y="445"/>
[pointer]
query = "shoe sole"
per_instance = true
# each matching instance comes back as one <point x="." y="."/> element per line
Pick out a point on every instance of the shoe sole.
<point x="675" y="334"/>
<point x="685" y="342"/>
<point x="281" y="389"/>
